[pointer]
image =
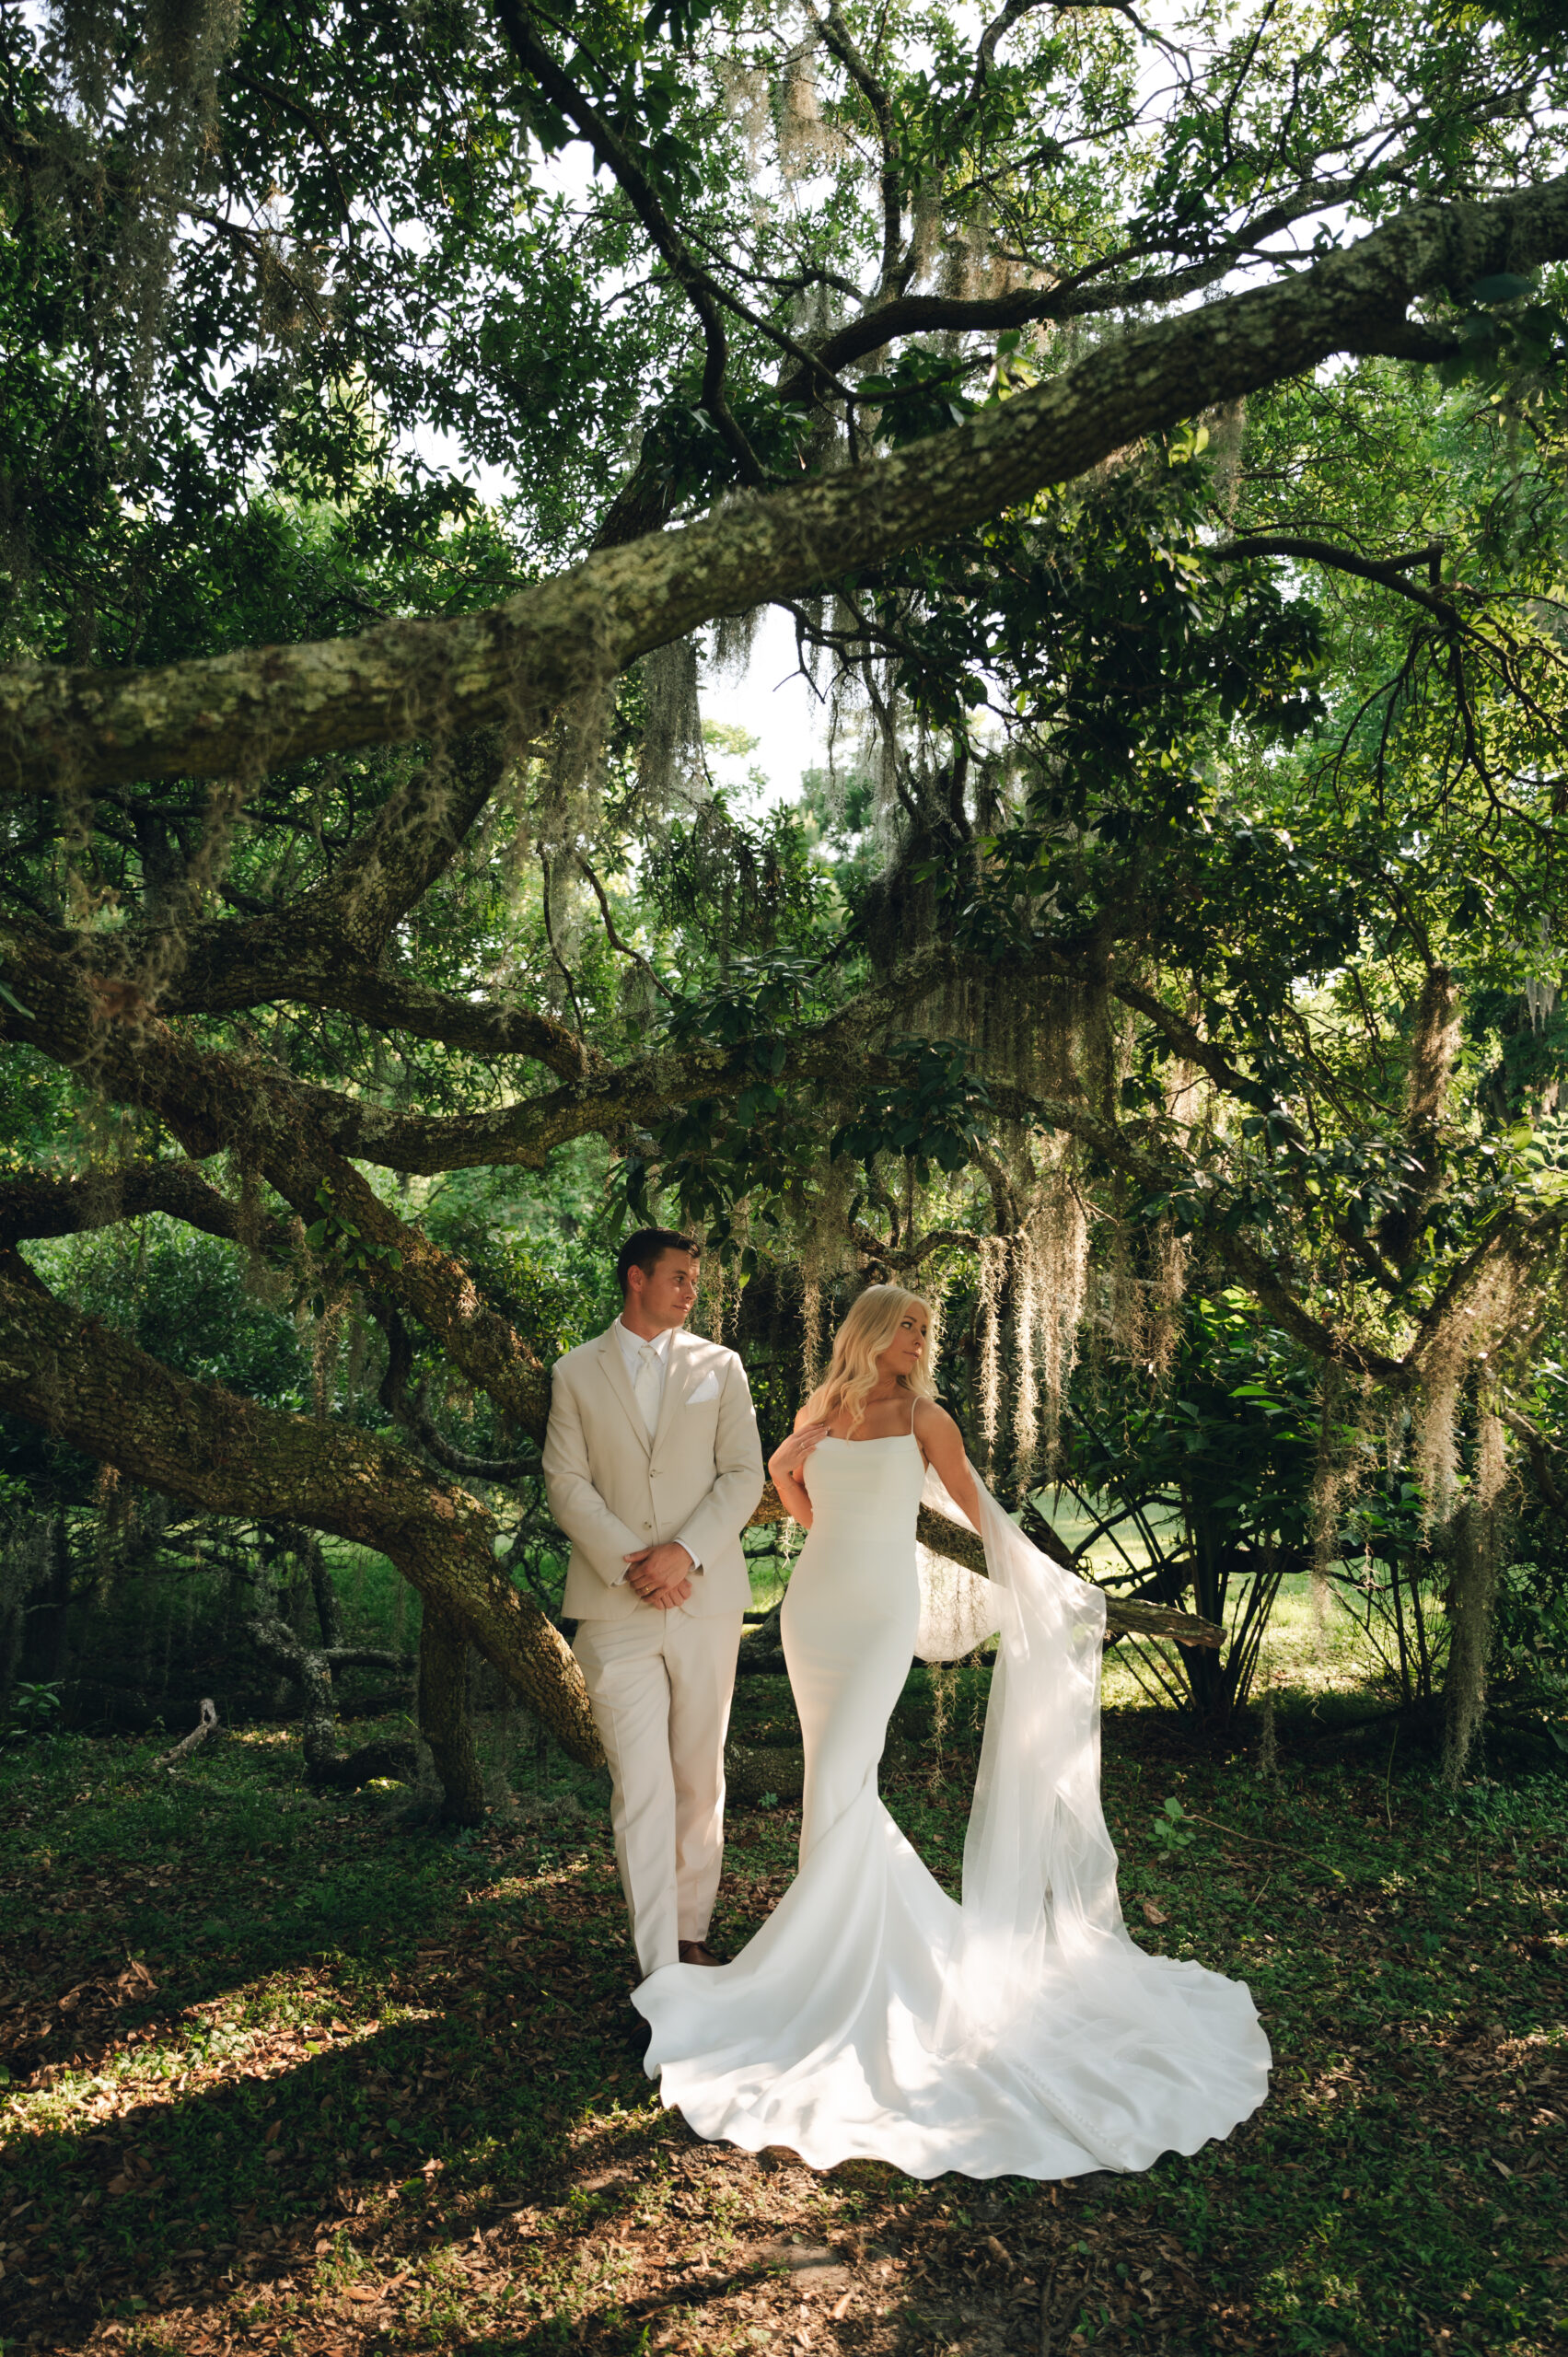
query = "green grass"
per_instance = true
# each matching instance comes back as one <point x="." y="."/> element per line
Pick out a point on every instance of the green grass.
<point x="308" y="2074"/>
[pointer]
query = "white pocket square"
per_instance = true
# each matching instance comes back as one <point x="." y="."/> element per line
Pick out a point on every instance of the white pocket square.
<point x="707" y="1389"/>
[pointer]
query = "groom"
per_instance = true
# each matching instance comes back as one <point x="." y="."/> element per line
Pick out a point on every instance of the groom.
<point x="652" y="1467"/>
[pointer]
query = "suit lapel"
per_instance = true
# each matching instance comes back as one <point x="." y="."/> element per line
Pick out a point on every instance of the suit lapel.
<point x="614" y="1367"/>
<point x="677" y="1383"/>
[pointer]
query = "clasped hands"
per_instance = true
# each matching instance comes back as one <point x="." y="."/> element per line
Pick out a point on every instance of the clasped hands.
<point x="660" y="1575"/>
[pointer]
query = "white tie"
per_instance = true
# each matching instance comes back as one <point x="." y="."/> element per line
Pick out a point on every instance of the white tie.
<point x="645" y="1389"/>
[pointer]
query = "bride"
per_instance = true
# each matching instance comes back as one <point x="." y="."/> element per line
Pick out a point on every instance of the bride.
<point x="1020" y="2032"/>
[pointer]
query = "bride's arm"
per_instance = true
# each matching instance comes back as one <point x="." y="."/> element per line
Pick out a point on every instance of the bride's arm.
<point x="786" y="1464"/>
<point x="942" y="1445"/>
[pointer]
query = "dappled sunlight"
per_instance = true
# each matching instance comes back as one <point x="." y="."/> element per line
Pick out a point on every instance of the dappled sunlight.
<point x="428" y="2129"/>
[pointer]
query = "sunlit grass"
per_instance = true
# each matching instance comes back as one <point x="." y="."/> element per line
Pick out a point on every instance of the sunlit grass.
<point x="380" y="2100"/>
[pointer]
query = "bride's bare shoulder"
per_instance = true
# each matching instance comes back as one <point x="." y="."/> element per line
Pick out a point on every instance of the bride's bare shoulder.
<point x="933" y="1423"/>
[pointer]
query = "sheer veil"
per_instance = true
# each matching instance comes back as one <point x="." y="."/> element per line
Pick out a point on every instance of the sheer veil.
<point x="1041" y="1921"/>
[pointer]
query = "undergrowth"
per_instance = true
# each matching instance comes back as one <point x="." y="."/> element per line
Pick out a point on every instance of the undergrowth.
<point x="308" y="2074"/>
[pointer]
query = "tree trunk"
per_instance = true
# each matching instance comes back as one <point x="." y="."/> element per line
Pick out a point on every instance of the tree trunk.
<point x="1472" y="1594"/>
<point x="444" y="1719"/>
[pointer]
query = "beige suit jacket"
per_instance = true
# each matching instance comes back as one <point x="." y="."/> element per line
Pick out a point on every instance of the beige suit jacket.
<point x="613" y="1491"/>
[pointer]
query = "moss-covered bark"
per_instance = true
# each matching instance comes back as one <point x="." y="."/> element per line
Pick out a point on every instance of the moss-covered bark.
<point x="512" y="666"/>
<point x="92" y="1386"/>
<point x="444" y="1719"/>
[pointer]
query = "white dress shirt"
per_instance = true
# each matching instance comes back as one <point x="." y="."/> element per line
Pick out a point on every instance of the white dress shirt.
<point x="647" y="1364"/>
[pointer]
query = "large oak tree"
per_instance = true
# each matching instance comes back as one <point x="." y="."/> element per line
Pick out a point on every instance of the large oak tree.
<point x="918" y="335"/>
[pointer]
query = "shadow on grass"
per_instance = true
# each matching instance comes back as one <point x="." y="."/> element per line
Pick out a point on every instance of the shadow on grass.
<point x="431" y="2132"/>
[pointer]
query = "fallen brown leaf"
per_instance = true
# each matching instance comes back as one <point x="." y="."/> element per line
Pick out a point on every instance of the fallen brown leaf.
<point x="1153" y="1914"/>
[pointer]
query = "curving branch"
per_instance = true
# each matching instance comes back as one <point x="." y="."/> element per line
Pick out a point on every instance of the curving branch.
<point x="411" y="1415"/>
<point x="623" y="948"/>
<point x="619" y="158"/>
<point x="837" y="36"/>
<point x="230" y="1456"/>
<point x="38" y="1204"/>
<point x="206" y="1725"/>
<point x="1092" y="292"/>
<point x="1388" y="573"/>
<point x="516" y="663"/>
<point x="986" y="48"/>
<point x="310" y="1667"/>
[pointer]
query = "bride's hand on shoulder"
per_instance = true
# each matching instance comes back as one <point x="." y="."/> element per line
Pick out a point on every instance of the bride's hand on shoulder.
<point x="792" y="1453"/>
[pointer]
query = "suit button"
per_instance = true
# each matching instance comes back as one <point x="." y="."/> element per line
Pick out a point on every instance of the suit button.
<point x="648" y="1525"/>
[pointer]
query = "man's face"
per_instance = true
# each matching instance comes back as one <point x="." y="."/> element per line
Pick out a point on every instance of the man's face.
<point x="667" y="1294"/>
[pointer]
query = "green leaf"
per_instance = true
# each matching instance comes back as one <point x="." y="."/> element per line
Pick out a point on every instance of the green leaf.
<point x="1504" y="287"/>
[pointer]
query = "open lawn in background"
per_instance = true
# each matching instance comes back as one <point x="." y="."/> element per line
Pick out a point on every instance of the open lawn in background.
<point x="309" y="2074"/>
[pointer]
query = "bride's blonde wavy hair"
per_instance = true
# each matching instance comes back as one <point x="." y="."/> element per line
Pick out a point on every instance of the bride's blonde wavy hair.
<point x="873" y="1321"/>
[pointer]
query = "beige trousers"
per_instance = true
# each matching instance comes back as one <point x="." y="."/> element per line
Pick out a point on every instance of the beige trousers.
<point x="660" y="1684"/>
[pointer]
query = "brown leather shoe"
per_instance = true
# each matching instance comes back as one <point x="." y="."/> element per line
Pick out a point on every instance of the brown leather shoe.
<point x="693" y="1951"/>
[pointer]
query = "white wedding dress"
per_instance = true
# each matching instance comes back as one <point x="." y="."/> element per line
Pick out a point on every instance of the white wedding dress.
<point x="1019" y="2033"/>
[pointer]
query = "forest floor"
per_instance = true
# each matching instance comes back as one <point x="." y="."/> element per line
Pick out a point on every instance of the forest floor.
<point x="308" y="2074"/>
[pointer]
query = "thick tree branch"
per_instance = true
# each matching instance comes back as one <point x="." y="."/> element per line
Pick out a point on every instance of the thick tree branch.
<point x="298" y="1135"/>
<point x="1091" y="293"/>
<point x="88" y="1385"/>
<point x="390" y="866"/>
<point x="214" y="1100"/>
<point x="327" y="949"/>
<point x="38" y="1204"/>
<point x="297" y="958"/>
<point x="517" y="662"/>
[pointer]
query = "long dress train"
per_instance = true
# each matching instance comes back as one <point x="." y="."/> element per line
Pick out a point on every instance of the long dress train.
<point x="1019" y="2033"/>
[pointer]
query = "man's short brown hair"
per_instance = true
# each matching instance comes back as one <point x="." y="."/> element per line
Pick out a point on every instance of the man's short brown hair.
<point x="647" y="1247"/>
